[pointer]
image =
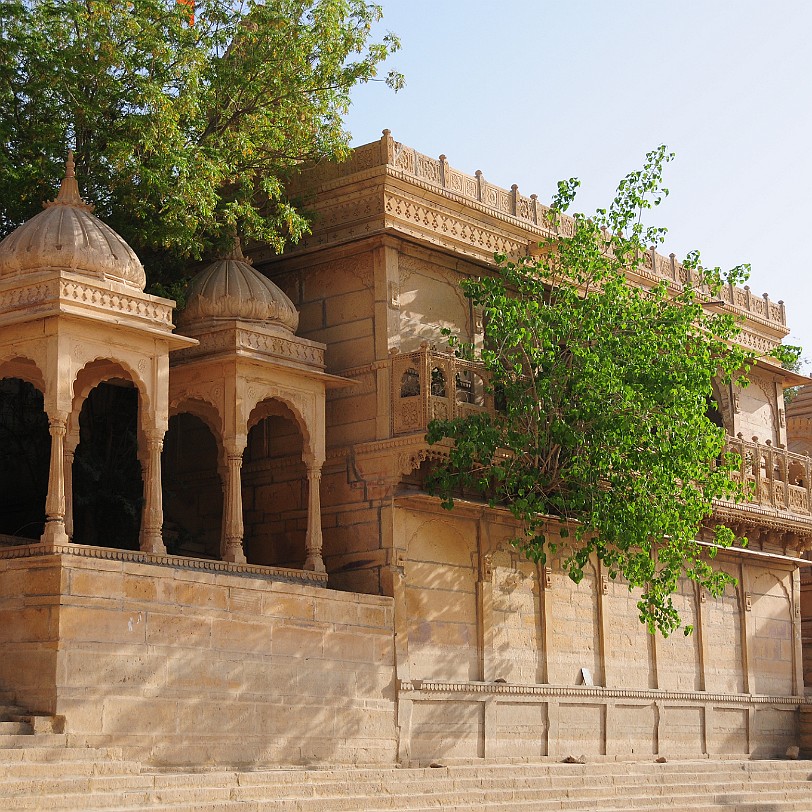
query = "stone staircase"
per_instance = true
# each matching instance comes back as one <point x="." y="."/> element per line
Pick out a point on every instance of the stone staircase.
<point x="70" y="779"/>
<point x="18" y="725"/>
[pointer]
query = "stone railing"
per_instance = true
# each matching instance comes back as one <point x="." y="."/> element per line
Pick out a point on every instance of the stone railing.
<point x="779" y="478"/>
<point x="429" y="385"/>
<point x="437" y="173"/>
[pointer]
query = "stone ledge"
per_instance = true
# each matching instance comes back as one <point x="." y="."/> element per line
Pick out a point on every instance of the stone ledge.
<point x="38" y="549"/>
<point x="408" y="690"/>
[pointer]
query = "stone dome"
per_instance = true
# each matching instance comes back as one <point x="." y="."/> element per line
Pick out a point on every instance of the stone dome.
<point x="230" y="288"/>
<point x="801" y="404"/>
<point x="67" y="237"/>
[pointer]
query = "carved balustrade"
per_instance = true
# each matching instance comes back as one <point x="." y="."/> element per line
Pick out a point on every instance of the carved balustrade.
<point x="430" y="385"/>
<point x="779" y="479"/>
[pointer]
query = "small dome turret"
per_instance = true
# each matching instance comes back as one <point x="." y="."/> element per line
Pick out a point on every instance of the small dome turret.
<point x="230" y="288"/>
<point x="67" y="237"/>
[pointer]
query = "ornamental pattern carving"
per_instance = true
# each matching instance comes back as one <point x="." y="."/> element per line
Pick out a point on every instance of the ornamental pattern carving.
<point x="27" y="296"/>
<point x="347" y="208"/>
<point x="286" y="348"/>
<point x="700" y="697"/>
<point x="442" y="223"/>
<point x="437" y="175"/>
<point x="109" y="554"/>
<point x="118" y="302"/>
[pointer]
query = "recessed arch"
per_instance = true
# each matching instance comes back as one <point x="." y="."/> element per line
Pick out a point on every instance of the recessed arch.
<point x="107" y="486"/>
<point x="279" y="405"/>
<point x="275" y="488"/>
<point x="719" y="410"/>
<point x="204" y="410"/>
<point x="103" y="370"/>
<point x="25" y="445"/>
<point x="192" y="467"/>
<point x="24" y="368"/>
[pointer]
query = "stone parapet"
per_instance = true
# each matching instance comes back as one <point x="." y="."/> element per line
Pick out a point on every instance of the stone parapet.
<point x="64" y="292"/>
<point x="386" y="182"/>
<point x="503" y="721"/>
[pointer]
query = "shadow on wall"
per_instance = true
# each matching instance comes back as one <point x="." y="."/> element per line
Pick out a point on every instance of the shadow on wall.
<point x="202" y="669"/>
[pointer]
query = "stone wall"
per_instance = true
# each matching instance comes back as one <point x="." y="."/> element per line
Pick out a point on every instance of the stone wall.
<point x="200" y="668"/>
<point x="505" y="658"/>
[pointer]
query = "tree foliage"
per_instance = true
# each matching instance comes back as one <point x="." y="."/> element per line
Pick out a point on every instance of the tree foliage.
<point x="604" y="387"/>
<point x="186" y="118"/>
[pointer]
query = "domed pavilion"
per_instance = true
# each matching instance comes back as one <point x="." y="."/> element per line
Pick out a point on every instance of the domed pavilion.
<point x="253" y="385"/>
<point x="74" y="315"/>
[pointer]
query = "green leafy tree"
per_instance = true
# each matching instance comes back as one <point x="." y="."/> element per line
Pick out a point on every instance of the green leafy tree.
<point x="186" y="118"/>
<point x="603" y="389"/>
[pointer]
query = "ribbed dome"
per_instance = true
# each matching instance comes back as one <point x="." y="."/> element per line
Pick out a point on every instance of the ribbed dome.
<point x="66" y="236"/>
<point x="230" y="288"/>
<point x="801" y="404"/>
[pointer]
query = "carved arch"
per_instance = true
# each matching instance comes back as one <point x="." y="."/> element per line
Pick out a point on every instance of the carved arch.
<point x="25" y="368"/>
<point x="82" y="385"/>
<point x="266" y="407"/>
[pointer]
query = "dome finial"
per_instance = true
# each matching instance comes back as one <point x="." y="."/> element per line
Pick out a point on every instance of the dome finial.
<point x="236" y="251"/>
<point x="69" y="190"/>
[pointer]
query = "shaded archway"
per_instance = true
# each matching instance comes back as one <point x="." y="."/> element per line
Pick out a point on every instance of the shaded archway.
<point x="107" y="485"/>
<point x="192" y="489"/>
<point x="274" y="489"/>
<point x="24" y="454"/>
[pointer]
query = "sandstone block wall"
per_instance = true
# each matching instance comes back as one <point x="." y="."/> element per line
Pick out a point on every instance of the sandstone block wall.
<point x="505" y="658"/>
<point x="29" y="631"/>
<point x="200" y="668"/>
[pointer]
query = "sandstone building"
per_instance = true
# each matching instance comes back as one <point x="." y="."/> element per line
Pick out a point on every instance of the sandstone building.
<point x="289" y="593"/>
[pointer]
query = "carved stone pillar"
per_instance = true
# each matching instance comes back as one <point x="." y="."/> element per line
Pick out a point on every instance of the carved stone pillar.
<point x="313" y="542"/>
<point x="54" y="532"/>
<point x="152" y="518"/>
<point x="69" y="454"/>
<point x="232" y="509"/>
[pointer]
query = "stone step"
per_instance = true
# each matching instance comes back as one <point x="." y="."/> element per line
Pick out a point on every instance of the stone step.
<point x="11" y="710"/>
<point x="25" y="770"/>
<point x="88" y="779"/>
<point x="22" y="728"/>
<point x="15" y="740"/>
<point x="799" y="805"/>
<point x="98" y="795"/>
<point x="33" y="752"/>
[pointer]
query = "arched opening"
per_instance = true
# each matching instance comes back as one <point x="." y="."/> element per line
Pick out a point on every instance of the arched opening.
<point x="438" y="383"/>
<point x="714" y="413"/>
<point x="274" y="489"/>
<point x="25" y="446"/>
<point x="470" y="388"/>
<point x="410" y="384"/>
<point x="107" y="486"/>
<point x="192" y="489"/>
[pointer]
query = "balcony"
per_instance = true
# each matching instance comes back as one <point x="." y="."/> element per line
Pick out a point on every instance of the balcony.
<point x="428" y="385"/>
<point x="780" y="480"/>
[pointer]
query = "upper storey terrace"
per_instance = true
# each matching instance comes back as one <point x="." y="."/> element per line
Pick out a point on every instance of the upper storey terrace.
<point x="387" y="186"/>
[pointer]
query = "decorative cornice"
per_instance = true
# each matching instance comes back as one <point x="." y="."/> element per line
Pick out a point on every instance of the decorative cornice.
<point x="238" y="337"/>
<point x="39" y="550"/>
<point x="61" y="292"/>
<point x="749" y="513"/>
<point x="408" y="689"/>
<point x="386" y="161"/>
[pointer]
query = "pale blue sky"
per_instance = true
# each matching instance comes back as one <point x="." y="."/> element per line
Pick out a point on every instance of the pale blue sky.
<point x="531" y="91"/>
